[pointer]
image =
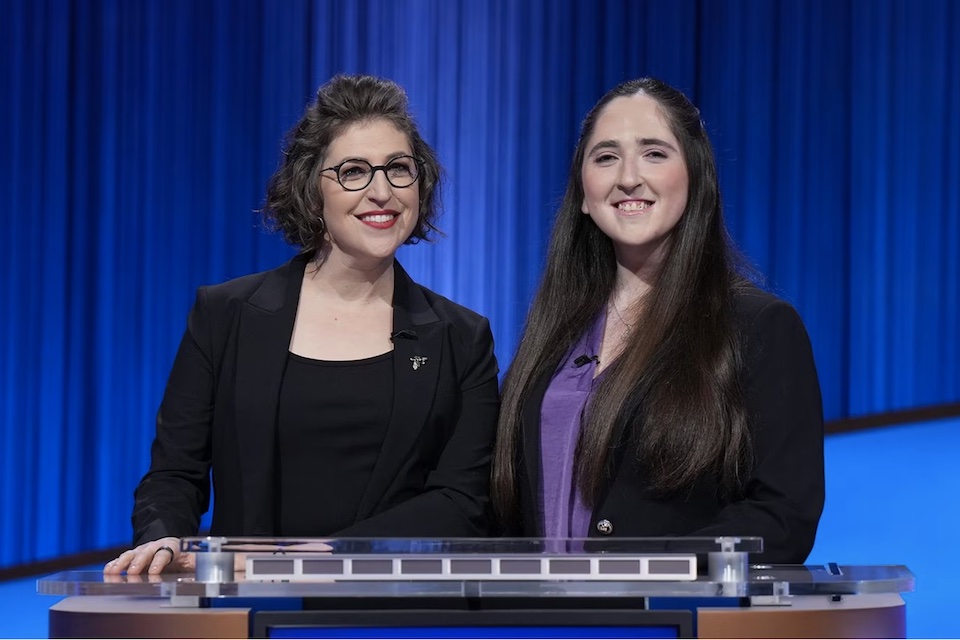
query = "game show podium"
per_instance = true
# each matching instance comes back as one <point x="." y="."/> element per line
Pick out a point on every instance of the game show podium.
<point x="483" y="588"/>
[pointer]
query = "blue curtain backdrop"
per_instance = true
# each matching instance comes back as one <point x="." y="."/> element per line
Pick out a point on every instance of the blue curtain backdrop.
<point x="136" y="137"/>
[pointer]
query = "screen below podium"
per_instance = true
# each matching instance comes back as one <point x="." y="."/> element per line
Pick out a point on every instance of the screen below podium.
<point x="539" y="623"/>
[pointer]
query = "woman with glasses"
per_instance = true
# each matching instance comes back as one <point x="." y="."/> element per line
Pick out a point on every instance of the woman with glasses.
<point x="656" y="391"/>
<point x="332" y="395"/>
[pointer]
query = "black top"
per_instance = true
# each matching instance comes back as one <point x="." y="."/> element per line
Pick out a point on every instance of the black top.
<point x="219" y="417"/>
<point x="332" y="419"/>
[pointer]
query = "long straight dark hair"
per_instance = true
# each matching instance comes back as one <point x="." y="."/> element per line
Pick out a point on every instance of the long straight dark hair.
<point x="674" y="391"/>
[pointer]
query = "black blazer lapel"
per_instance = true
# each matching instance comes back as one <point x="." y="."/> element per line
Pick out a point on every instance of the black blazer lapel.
<point x="266" y="326"/>
<point x="417" y="352"/>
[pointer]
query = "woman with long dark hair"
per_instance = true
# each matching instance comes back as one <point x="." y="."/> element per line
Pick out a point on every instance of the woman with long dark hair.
<point x="656" y="391"/>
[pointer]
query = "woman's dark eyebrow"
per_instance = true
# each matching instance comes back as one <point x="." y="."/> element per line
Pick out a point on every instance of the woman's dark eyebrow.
<point x="641" y="142"/>
<point x="390" y="158"/>
<point x="654" y="142"/>
<point x="604" y="144"/>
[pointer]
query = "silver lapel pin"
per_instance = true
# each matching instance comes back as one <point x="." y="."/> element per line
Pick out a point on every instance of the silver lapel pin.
<point x="418" y="361"/>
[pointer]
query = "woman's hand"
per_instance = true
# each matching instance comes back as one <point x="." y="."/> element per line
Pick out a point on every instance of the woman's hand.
<point x="154" y="557"/>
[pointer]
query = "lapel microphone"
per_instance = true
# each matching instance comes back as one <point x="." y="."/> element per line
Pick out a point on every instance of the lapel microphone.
<point x="403" y="334"/>
<point x="579" y="361"/>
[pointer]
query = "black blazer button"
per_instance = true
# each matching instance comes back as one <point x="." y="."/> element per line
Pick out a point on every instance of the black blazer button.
<point x="605" y="527"/>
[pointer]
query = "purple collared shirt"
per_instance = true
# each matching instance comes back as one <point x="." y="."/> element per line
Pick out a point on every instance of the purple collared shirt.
<point x="563" y="512"/>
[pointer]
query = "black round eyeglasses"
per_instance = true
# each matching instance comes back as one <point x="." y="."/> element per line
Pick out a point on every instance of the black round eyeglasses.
<point x="357" y="174"/>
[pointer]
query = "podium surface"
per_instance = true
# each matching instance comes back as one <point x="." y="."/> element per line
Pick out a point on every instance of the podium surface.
<point x="667" y="587"/>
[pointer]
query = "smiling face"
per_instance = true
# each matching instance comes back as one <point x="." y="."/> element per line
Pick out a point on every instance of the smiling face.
<point x="364" y="228"/>
<point x="635" y="180"/>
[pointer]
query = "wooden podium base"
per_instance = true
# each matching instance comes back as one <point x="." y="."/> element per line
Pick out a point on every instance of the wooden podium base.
<point x="862" y="616"/>
<point x="129" y="617"/>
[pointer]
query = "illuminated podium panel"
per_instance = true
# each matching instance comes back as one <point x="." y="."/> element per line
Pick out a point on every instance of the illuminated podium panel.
<point x="483" y="588"/>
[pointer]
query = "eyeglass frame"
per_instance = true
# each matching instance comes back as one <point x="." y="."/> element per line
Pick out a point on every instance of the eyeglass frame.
<point x="373" y="170"/>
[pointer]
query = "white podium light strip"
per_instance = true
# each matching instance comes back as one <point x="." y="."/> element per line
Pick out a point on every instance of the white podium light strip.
<point x="307" y="567"/>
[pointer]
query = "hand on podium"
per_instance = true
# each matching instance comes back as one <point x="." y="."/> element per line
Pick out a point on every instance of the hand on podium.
<point x="156" y="556"/>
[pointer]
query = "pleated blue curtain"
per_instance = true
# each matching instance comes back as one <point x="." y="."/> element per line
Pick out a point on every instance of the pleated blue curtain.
<point x="136" y="137"/>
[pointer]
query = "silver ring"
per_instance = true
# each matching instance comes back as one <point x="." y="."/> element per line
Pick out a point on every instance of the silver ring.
<point x="166" y="548"/>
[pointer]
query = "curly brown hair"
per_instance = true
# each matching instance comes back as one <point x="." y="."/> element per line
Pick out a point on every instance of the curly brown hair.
<point x="294" y="203"/>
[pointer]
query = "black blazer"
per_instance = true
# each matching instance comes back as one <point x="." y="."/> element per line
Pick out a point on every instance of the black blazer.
<point x="785" y="492"/>
<point x="220" y="406"/>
